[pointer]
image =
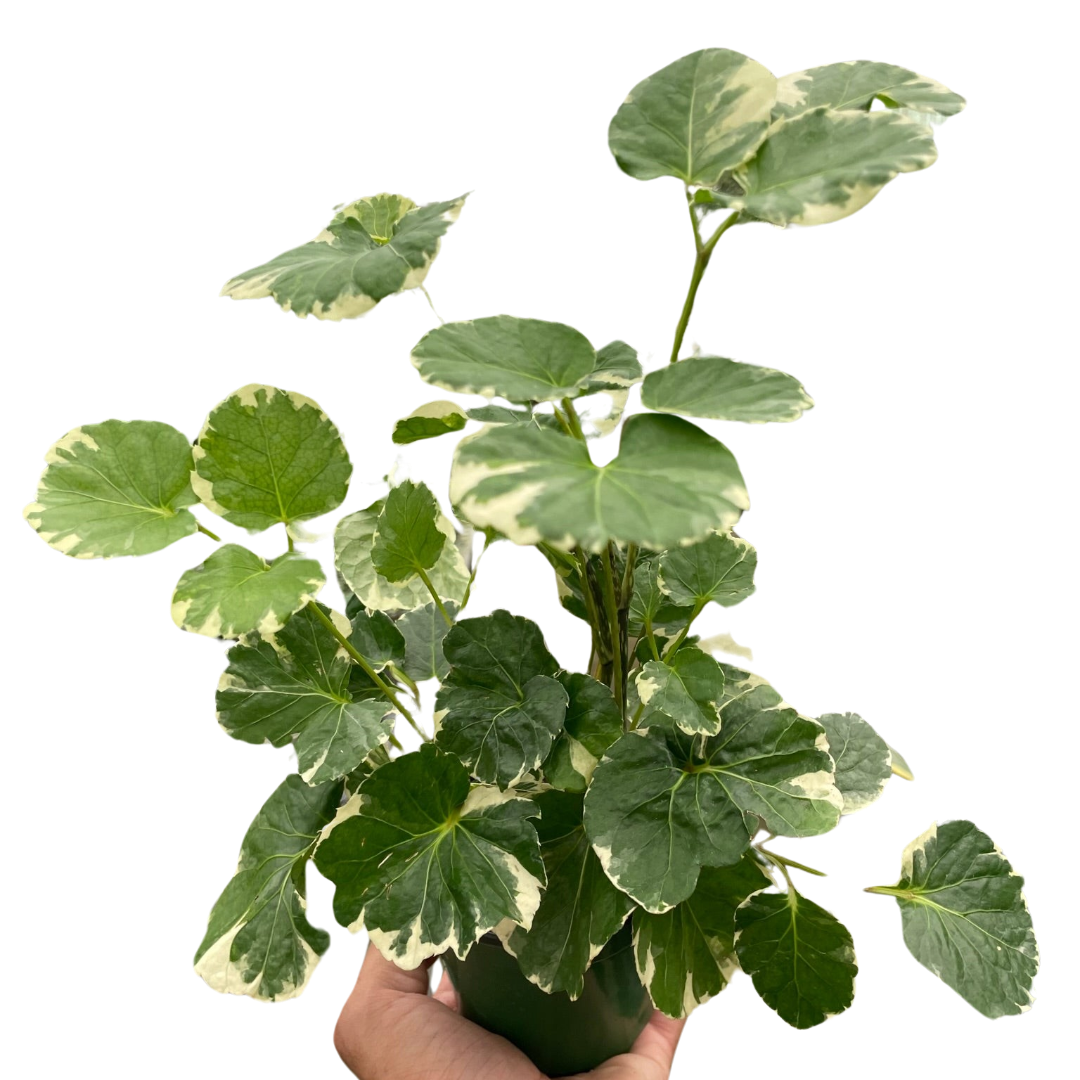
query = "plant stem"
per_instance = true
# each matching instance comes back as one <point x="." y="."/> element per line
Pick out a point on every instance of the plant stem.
<point x="206" y="532"/>
<point x="368" y="670"/>
<point x="572" y="419"/>
<point x="563" y="422"/>
<point x="612" y="605"/>
<point x="435" y="596"/>
<point x="674" y="646"/>
<point x="627" y="588"/>
<point x="701" y="263"/>
<point x="288" y="535"/>
<point x="637" y="716"/>
<point x="590" y="601"/>
<point x="782" y="861"/>
<point x="431" y="304"/>
<point x="472" y="575"/>
<point x="650" y="636"/>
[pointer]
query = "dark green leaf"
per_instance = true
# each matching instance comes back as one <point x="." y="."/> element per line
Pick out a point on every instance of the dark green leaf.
<point x="377" y="639"/>
<point x="863" y="761"/>
<point x="424" y="630"/>
<point x="407" y="536"/>
<point x="592" y="724"/>
<point x="687" y="688"/>
<point x="430" y="421"/>
<point x="720" y="568"/>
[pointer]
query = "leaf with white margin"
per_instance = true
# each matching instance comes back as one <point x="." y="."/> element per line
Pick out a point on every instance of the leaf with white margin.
<point x="650" y="607"/>
<point x="258" y="941"/>
<point x="670" y="484"/>
<point x="800" y="957"/>
<point x="408" y="540"/>
<point x="266" y="456"/>
<point x="235" y="592"/>
<point x="580" y="910"/>
<point x="521" y="360"/>
<point x="424" y="631"/>
<point x="824" y="165"/>
<point x="296" y="685"/>
<point x="720" y="389"/>
<point x="863" y="760"/>
<point x="499" y="707"/>
<point x="965" y="917"/>
<point x="719" y="569"/>
<point x="117" y="488"/>
<point x="592" y="724"/>
<point x="352" y="265"/>
<point x="617" y="368"/>
<point x="377" y="639"/>
<point x="430" y="421"/>
<point x="659" y="807"/>
<point x="687" y="955"/>
<point x="854" y="84"/>
<point x="502" y="414"/>
<point x="353" y="540"/>
<point x="688" y="688"/>
<point x="695" y="119"/>
<point x="430" y="863"/>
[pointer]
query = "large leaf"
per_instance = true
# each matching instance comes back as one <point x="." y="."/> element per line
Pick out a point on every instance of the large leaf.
<point x="429" y="421"/>
<point x="407" y="541"/>
<point x="266" y="456"/>
<point x="965" y="918"/>
<point x="297" y="686"/>
<point x="424" y="631"/>
<point x="687" y="955"/>
<point x="694" y="119"/>
<point x="721" y="389"/>
<point x="430" y="864"/>
<point x="824" y="165"/>
<point x="115" y="489"/>
<point x="371" y="249"/>
<point x="863" y="760"/>
<point x="518" y="359"/>
<point x="500" y="707"/>
<point x="258" y="941"/>
<point x="720" y="568"/>
<point x="235" y="592"/>
<point x="580" y="910"/>
<point x="800" y="957"/>
<point x="854" y="84"/>
<point x="670" y="484"/>
<point x="687" y="688"/>
<point x="592" y="724"/>
<point x="659" y="808"/>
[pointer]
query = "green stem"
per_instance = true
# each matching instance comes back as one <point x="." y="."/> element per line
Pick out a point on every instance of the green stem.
<point x="472" y="575"/>
<point x="612" y="605"/>
<point x="572" y="419"/>
<point x="650" y="636"/>
<point x="431" y="304"/>
<point x="701" y="263"/>
<point x="782" y="861"/>
<point x="627" y="588"/>
<point x="590" y="602"/>
<point x="563" y="422"/>
<point x="435" y="596"/>
<point x="368" y="670"/>
<point x="206" y="532"/>
<point x="410" y="685"/>
<point x="288" y="534"/>
<point x="674" y="646"/>
<point x="887" y="890"/>
<point x="637" y="716"/>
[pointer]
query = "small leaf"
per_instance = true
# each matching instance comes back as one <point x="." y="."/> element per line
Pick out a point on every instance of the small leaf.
<point x="429" y="421"/>
<point x="863" y="762"/>
<point x="720" y="568"/>
<point x="800" y="957"/>
<point x="617" y="368"/>
<point x="377" y="639"/>
<point x="407" y="537"/>
<point x="650" y="605"/>
<point x="115" y="489"/>
<point x="592" y="724"/>
<point x="424" y="631"/>
<point x="965" y="918"/>
<point x="688" y="689"/>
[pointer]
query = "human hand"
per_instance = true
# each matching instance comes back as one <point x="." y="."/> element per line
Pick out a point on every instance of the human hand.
<point x="392" y="1028"/>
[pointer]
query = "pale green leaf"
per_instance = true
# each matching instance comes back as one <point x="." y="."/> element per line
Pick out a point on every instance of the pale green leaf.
<point x="687" y="688"/>
<point x="965" y="917"/>
<point x="801" y="958"/>
<point x="266" y="456"/>
<point x="501" y="414"/>
<point x="694" y="119"/>
<point x="429" y="421"/>
<point x="580" y="910"/>
<point x="863" y="761"/>
<point x="428" y="863"/>
<point x="617" y="368"/>
<point x="424" y="631"/>
<point x="721" y="389"/>
<point x="347" y="269"/>
<point x="258" y="941"/>
<point x="670" y="484"/>
<point x="720" y="568"/>
<point x="592" y="724"/>
<point x="117" y="488"/>
<point x="500" y="706"/>
<point x="822" y="165"/>
<point x="235" y="592"/>
<point x="407" y="540"/>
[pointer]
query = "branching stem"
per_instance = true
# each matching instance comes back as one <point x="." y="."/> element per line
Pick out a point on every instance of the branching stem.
<point x="612" y="606"/>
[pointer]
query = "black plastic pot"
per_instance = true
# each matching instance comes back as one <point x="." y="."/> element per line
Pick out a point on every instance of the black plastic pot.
<point x="559" y="1035"/>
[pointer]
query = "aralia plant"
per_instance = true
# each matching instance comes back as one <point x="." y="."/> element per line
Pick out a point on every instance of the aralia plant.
<point x="545" y="804"/>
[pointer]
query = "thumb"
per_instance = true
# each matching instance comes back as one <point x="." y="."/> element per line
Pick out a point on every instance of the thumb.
<point x="379" y="976"/>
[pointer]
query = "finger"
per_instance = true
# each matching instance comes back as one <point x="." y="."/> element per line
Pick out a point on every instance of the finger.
<point x="446" y="994"/>
<point x="378" y="976"/>
<point x="658" y="1042"/>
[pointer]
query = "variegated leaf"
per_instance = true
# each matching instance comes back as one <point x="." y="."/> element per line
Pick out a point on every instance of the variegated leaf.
<point x="686" y="688"/>
<point x="429" y="421"/>
<point x="863" y="760"/>
<point x="719" y="569"/>
<point x="592" y="724"/>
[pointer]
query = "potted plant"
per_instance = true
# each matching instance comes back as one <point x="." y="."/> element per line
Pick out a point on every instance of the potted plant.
<point x="578" y="845"/>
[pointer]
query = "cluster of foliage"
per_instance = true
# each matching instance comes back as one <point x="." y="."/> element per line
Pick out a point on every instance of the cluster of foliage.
<point x="548" y="805"/>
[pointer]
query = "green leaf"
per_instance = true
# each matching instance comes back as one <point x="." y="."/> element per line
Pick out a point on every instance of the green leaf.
<point x="429" y="421"/>
<point x="617" y="368"/>
<point x="863" y="761"/>
<point x="353" y="540"/>
<point x="687" y="955"/>
<point x="424" y="631"/>
<point x="580" y="910"/>
<point x="855" y="84"/>
<point x="650" y="606"/>
<point x="407" y="537"/>
<point x="658" y="809"/>
<point x="694" y="119"/>
<point x="115" y="489"/>
<point x="720" y="568"/>
<point x="688" y="689"/>
<point x="721" y="389"/>
<point x="592" y="724"/>
<point x="521" y="360"/>
<point x="800" y="957"/>
<point x="824" y="165"/>
<point x="267" y="456"/>
<point x="376" y="638"/>
<point x="500" y="706"/>
<point x="965" y="918"/>
<point x="258" y="941"/>
<point x="429" y="864"/>
<point x="670" y="484"/>
<point x="235" y="592"/>
<point x="352" y="264"/>
<point x="296" y="685"/>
